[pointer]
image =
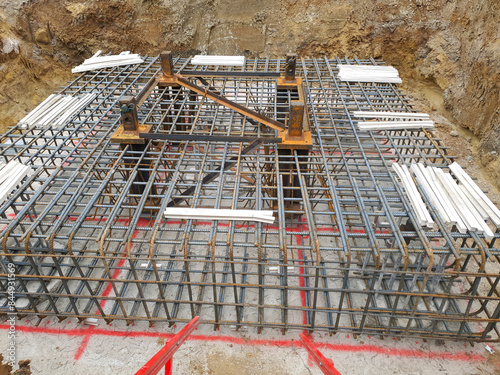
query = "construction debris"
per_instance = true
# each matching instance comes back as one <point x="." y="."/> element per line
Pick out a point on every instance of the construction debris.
<point x="398" y="115"/>
<point x="91" y="322"/>
<point x="482" y="202"/>
<point x="401" y="120"/>
<point x="412" y="193"/>
<point x="436" y="194"/>
<point x="489" y="349"/>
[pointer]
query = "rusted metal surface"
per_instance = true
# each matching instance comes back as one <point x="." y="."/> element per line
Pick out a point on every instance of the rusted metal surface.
<point x="128" y="131"/>
<point x="297" y="114"/>
<point x="290" y="66"/>
<point x="166" y="63"/>
<point x="128" y="108"/>
<point x="346" y="253"/>
<point x="297" y="135"/>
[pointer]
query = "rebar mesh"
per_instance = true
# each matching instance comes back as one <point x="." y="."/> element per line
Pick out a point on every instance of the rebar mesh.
<point x="346" y="253"/>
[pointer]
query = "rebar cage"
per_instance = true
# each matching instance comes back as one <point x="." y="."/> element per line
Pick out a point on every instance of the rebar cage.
<point x="87" y="235"/>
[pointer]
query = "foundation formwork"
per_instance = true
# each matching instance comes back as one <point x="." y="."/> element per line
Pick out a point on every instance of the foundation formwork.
<point x="345" y="254"/>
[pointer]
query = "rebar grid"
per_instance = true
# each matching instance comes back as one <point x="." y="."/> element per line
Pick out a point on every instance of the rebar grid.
<point x="346" y="253"/>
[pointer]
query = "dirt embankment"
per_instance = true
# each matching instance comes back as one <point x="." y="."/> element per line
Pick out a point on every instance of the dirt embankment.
<point x="447" y="51"/>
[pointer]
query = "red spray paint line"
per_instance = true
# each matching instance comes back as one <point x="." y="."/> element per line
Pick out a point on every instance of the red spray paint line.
<point x="409" y="353"/>
<point x="83" y="345"/>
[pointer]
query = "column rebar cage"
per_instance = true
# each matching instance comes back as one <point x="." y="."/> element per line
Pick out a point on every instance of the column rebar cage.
<point x="87" y="235"/>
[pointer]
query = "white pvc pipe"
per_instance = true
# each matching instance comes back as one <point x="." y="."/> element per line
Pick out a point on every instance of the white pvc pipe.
<point x="367" y="114"/>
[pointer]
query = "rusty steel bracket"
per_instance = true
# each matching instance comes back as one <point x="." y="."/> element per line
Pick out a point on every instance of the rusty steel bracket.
<point x="128" y="109"/>
<point x="164" y="81"/>
<point x="297" y="135"/>
<point x="128" y="131"/>
<point x="291" y="62"/>
<point x="167" y="66"/>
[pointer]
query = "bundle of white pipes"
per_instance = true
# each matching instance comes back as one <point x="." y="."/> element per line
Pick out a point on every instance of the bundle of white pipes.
<point x="485" y="206"/>
<point x="462" y="204"/>
<point x="399" y="120"/>
<point x="219" y="214"/>
<point x="368" y="73"/>
<point x="11" y="174"/>
<point x="218" y="60"/>
<point x="56" y="110"/>
<point x="423" y="215"/>
<point x="101" y="62"/>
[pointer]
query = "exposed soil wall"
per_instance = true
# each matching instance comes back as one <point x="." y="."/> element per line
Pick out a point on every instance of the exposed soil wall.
<point x="447" y="48"/>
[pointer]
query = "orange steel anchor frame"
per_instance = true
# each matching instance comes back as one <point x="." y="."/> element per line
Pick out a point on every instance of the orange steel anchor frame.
<point x="296" y="135"/>
<point x="163" y="359"/>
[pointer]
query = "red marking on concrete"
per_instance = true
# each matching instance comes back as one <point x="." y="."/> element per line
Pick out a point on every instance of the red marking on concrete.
<point x="115" y="274"/>
<point x="326" y="365"/>
<point x="410" y="353"/>
<point x="109" y="287"/>
<point x="83" y="345"/>
<point x="163" y="358"/>
<point x="298" y="238"/>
